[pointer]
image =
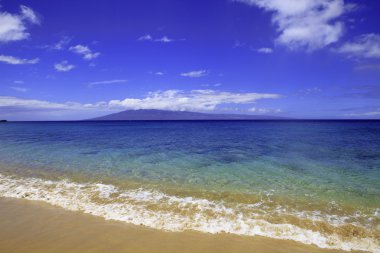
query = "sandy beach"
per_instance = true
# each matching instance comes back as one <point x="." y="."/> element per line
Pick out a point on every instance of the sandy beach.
<point x="30" y="226"/>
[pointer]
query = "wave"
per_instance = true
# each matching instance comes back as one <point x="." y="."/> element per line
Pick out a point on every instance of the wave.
<point x="158" y="210"/>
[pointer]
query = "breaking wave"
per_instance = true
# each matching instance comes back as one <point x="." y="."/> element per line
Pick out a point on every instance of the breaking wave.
<point x="158" y="210"/>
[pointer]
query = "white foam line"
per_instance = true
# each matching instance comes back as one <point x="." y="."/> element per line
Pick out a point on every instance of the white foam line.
<point x="132" y="206"/>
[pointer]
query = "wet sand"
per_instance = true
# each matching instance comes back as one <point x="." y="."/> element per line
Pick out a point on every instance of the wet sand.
<point x="31" y="226"/>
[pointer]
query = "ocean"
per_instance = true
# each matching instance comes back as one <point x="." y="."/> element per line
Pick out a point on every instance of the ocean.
<point x="314" y="182"/>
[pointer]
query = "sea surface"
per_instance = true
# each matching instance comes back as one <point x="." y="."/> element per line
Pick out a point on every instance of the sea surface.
<point x="315" y="182"/>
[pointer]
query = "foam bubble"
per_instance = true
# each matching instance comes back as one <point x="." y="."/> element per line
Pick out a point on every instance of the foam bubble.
<point x="171" y="213"/>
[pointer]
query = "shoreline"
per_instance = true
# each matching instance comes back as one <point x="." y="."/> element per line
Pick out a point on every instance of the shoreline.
<point x="34" y="226"/>
<point x="159" y="212"/>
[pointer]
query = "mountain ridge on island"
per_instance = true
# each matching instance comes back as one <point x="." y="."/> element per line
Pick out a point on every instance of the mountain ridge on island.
<point x="154" y="114"/>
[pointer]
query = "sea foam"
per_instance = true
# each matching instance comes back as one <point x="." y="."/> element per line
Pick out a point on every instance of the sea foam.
<point x="158" y="210"/>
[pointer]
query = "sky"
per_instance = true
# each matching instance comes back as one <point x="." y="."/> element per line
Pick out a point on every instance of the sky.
<point x="69" y="60"/>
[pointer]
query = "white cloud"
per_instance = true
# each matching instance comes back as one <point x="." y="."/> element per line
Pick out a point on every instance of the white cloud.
<point x="174" y="100"/>
<point x="20" y="89"/>
<point x="304" y="24"/>
<point x="367" y="67"/>
<point x="85" y="51"/>
<point x="64" y="66"/>
<point x="365" y="114"/>
<point x="159" y="73"/>
<point x="265" y="50"/>
<point x="195" y="73"/>
<point x="108" y="82"/>
<point x="60" y="45"/>
<point x="13" y="27"/>
<point x="17" y="61"/>
<point x="20" y="104"/>
<point x="264" y="110"/>
<point x="148" y="37"/>
<point x="211" y="85"/>
<point x="28" y="14"/>
<point x="145" y="37"/>
<point x="366" y="46"/>
<point x="164" y="39"/>
<point x="18" y="82"/>
<point x="309" y="91"/>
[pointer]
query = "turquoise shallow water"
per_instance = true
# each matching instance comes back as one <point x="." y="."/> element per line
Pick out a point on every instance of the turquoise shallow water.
<point x="327" y="171"/>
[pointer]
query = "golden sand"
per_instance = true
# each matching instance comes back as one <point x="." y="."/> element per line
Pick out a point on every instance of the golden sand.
<point x="29" y="226"/>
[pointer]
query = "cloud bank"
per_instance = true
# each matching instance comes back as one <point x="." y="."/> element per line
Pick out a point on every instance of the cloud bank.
<point x="364" y="114"/>
<point x="174" y="100"/>
<point x="195" y="100"/>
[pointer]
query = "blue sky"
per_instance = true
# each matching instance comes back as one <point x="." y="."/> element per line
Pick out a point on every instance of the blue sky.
<point x="64" y="60"/>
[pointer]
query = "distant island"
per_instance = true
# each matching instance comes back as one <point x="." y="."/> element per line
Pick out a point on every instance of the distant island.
<point x="151" y="114"/>
<point x="3" y="120"/>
